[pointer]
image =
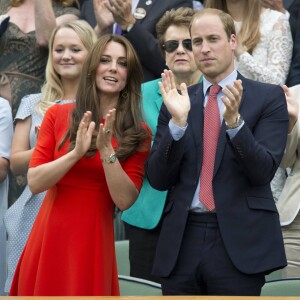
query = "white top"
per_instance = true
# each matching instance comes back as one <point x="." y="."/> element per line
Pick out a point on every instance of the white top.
<point x="271" y="58"/>
<point x="6" y="134"/>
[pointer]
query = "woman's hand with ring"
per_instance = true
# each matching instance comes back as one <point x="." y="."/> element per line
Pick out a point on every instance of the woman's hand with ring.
<point x="105" y="133"/>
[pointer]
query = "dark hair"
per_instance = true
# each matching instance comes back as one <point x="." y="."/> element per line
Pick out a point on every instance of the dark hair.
<point x="128" y="128"/>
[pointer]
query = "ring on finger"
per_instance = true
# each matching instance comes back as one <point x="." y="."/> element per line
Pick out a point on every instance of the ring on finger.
<point x="107" y="131"/>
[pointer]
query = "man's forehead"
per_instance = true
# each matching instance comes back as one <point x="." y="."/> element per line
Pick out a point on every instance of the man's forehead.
<point x="212" y="28"/>
<point x="207" y="18"/>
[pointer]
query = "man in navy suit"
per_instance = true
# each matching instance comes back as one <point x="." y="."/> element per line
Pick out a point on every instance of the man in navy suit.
<point x="227" y="248"/>
<point x="137" y="20"/>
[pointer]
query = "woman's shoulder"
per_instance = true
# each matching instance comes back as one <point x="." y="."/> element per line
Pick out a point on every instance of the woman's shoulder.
<point x="60" y="109"/>
<point x="27" y="105"/>
<point x="151" y="85"/>
<point x="4" y="106"/>
<point x="272" y="15"/>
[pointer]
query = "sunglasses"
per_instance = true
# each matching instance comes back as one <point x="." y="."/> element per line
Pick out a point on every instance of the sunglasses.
<point x="171" y="45"/>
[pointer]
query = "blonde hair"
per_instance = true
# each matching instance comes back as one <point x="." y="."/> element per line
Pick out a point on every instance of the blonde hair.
<point x="53" y="90"/>
<point x="64" y="3"/>
<point x="249" y="34"/>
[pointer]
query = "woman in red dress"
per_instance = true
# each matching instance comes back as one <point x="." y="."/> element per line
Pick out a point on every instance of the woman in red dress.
<point x="90" y="156"/>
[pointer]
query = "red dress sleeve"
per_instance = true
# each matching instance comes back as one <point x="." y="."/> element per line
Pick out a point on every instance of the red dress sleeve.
<point x="47" y="140"/>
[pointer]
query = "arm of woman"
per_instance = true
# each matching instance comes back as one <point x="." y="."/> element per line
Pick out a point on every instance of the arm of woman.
<point x="44" y="172"/>
<point x="3" y="168"/>
<point x="6" y="134"/>
<point x="291" y="150"/>
<point x="45" y="21"/>
<point x="279" y="57"/>
<point x="124" y="182"/>
<point x="20" y="150"/>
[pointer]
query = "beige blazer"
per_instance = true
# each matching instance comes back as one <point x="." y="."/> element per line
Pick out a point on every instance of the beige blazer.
<point x="288" y="204"/>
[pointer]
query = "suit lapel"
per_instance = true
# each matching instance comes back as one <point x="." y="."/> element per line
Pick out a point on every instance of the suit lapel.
<point x="196" y="122"/>
<point x="147" y="8"/>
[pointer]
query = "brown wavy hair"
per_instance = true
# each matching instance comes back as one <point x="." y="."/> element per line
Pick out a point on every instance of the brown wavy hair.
<point x="128" y="128"/>
<point x="64" y="3"/>
<point x="249" y="35"/>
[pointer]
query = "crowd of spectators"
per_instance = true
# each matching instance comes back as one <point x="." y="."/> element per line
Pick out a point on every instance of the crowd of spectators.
<point x="267" y="51"/>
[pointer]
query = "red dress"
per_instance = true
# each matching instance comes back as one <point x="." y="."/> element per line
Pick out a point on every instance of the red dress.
<point x="70" y="251"/>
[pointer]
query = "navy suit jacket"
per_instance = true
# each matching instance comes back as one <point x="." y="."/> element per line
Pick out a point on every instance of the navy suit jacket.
<point x="294" y="74"/>
<point x="244" y="166"/>
<point x="293" y="7"/>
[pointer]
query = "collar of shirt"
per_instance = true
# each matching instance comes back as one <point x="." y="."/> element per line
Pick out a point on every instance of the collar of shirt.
<point x="206" y="84"/>
<point x="228" y="80"/>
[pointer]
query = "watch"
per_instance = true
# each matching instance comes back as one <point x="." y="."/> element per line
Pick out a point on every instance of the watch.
<point x="239" y="121"/>
<point x="111" y="159"/>
<point x="128" y="28"/>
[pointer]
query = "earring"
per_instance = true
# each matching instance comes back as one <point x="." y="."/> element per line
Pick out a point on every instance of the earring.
<point x="124" y="94"/>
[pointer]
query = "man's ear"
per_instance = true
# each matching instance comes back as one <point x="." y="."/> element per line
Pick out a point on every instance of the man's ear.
<point x="233" y="41"/>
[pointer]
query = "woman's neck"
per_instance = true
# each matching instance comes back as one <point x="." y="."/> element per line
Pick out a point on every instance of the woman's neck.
<point x="188" y="79"/>
<point x="108" y="102"/>
<point x="70" y="89"/>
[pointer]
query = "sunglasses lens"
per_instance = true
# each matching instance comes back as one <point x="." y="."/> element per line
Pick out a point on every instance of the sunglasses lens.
<point x="187" y="44"/>
<point x="171" y="46"/>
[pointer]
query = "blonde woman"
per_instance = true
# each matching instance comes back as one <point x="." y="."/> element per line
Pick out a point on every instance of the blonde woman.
<point x="24" y="54"/>
<point x="69" y="46"/>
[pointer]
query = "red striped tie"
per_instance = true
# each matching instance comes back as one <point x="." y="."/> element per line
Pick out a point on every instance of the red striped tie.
<point x="210" y="140"/>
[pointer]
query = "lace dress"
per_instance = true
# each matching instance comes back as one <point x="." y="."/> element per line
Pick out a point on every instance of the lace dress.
<point x="271" y="58"/>
<point x="270" y="63"/>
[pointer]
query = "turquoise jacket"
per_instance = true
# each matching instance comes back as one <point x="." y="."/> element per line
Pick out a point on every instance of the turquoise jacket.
<point x="147" y="210"/>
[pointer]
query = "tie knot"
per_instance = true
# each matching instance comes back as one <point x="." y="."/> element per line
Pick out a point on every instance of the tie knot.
<point x="214" y="90"/>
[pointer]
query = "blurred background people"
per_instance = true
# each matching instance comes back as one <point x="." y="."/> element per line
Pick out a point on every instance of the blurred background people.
<point x="68" y="48"/>
<point x="264" y="49"/>
<point x="24" y="44"/>
<point x="136" y="20"/>
<point x="291" y="8"/>
<point x="288" y="7"/>
<point x="23" y="53"/>
<point x="289" y="203"/>
<point x="6" y="135"/>
<point x="142" y="219"/>
<point x="89" y="156"/>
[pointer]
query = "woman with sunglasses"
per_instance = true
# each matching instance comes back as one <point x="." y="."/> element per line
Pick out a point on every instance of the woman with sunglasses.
<point x="142" y="220"/>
